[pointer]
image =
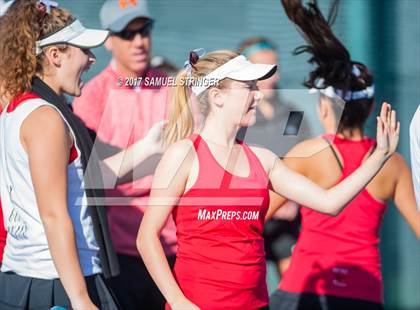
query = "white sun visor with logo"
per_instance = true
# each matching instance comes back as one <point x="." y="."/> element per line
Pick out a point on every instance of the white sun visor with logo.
<point x="74" y="34"/>
<point x="238" y="68"/>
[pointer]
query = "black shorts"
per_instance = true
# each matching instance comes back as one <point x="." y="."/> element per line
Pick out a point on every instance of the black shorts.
<point x="279" y="237"/>
<point x="21" y="293"/>
<point x="282" y="300"/>
<point x="134" y="287"/>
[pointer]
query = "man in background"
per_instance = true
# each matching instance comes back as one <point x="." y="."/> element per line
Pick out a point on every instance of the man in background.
<point x="121" y="109"/>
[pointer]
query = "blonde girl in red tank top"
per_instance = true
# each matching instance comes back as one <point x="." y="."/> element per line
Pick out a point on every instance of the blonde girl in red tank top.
<point x="216" y="188"/>
<point x="336" y="263"/>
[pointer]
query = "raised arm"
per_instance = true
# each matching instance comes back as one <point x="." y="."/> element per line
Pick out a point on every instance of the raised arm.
<point x="305" y="192"/>
<point x="168" y="185"/>
<point x="47" y="143"/>
<point x="122" y="163"/>
<point x="280" y="207"/>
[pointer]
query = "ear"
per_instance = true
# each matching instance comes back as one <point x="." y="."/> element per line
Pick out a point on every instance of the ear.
<point x="323" y="107"/>
<point x="216" y="96"/>
<point x="108" y="44"/>
<point x="54" y="56"/>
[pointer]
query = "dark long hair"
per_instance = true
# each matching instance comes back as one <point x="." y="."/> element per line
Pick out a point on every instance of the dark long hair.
<point x="332" y="60"/>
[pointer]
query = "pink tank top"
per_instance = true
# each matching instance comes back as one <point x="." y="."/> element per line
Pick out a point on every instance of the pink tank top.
<point x="221" y="260"/>
<point x="339" y="255"/>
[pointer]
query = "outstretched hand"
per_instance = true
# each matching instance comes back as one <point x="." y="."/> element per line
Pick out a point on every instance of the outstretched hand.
<point x="388" y="130"/>
<point x="154" y="137"/>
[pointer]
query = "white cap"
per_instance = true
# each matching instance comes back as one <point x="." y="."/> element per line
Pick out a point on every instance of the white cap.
<point x="74" y="34"/>
<point x="238" y="68"/>
<point x="4" y="6"/>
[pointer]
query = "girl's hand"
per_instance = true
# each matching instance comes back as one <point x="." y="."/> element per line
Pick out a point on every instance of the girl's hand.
<point x="154" y="138"/>
<point x="83" y="303"/>
<point x="388" y="131"/>
<point x="184" y="304"/>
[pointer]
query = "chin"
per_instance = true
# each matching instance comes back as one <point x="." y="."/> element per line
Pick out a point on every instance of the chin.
<point x="248" y="122"/>
<point x="75" y="93"/>
<point x="140" y="66"/>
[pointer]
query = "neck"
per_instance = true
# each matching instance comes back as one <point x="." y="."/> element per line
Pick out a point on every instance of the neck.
<point x="354" y="134"/>
<point x="224" y="135"/>
<point x="350" y="134"/>
<point x="125" y="71"/>
<point x="52" y="83"/>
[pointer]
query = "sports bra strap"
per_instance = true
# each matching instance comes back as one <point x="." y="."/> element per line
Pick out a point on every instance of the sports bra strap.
<point x="334" y="153"/>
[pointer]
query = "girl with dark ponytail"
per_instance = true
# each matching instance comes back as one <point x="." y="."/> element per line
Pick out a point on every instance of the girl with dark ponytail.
<point x="336" y="263"/>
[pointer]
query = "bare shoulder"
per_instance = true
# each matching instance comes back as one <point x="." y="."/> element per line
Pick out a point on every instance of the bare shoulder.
<point x="46" y="120"/>
<point x="395" y="163"/>
<point x="180" y="154"/>
<point x="174" y="166"/>
<point x="393" y="169"/>
<point x="308" y="148"/>
<point x="44" y="130"/>
<point x="266" y="157"/>
<point x="179" y="150"/>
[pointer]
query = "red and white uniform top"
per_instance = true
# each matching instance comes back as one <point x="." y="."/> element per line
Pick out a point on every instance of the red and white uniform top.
<point x="27" y="252"/>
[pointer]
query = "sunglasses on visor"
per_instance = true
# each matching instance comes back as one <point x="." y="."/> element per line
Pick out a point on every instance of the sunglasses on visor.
<point x="144" y="31"/>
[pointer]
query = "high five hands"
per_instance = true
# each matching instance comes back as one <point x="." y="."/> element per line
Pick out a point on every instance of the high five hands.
<point x="388" y="130"/>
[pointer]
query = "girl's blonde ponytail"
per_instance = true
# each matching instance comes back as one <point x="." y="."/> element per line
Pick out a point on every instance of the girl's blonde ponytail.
<point x="181" y="120"/>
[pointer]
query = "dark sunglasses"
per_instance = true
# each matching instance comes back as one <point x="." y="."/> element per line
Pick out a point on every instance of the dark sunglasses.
<point x="144" y="31"/>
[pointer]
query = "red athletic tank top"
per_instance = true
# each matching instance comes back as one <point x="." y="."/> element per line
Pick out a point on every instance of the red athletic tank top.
<point x="220" y="262"/>
<point x="339" y="255"/>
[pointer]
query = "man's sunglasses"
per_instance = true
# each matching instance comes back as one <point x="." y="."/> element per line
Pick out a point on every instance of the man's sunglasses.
<point x="144" y="31"/>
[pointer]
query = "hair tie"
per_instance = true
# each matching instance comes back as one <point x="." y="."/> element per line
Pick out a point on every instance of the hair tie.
<point x="195" y="55"/>
<point x="355" y="70"/>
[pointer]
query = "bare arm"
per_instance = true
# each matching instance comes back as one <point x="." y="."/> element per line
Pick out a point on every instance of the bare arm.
<point x="298" y="188"/>
<point x="280" y="207"/>
<point x="292" y="185"/>
<point x="168" y="185"/>
<point x="47" y="144"/>
<point x="122" y="163"/>
<point x="404" y="197"/>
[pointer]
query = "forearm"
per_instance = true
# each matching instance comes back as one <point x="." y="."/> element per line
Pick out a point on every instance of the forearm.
<point x="62" y="244"/>
<point x="154" y="258"/>
<point x="277" y="204"/>
<point x="340" y="195"/>
<point x="126" y="160"/>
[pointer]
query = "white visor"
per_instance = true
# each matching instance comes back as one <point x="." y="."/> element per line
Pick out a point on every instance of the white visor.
<point x="238" y="68"/>
<point x="4" y="7"/>
<point x="74" y="34"/>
